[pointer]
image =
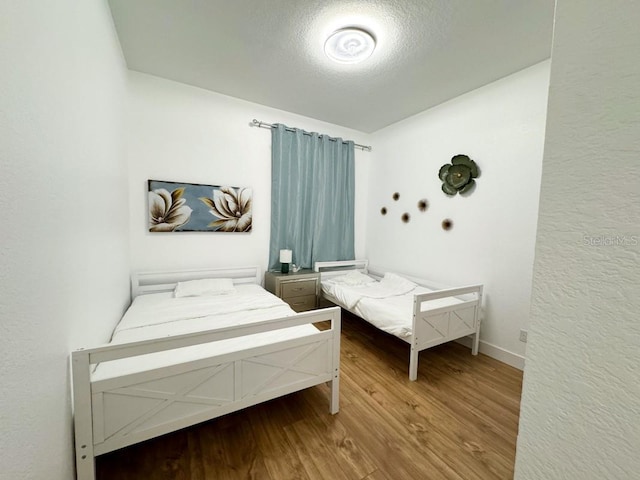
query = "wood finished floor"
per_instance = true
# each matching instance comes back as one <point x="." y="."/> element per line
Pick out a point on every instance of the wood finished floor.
<point x="458" y="421"/>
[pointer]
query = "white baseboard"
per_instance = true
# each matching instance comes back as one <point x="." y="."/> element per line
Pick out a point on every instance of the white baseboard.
<point x="500" y="354"/>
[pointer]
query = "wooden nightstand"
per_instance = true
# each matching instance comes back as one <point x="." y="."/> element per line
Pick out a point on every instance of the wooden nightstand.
<point x="299" y="289"/>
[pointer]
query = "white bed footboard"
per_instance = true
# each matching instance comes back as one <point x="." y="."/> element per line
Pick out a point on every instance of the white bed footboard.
<point x="115" y="412"/>
<point x="434" y="326"/>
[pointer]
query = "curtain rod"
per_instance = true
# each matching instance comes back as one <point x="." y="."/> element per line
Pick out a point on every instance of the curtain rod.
<point x="258" y="123"/>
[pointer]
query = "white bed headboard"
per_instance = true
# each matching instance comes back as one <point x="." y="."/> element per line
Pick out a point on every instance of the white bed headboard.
<point x="331" y="269"/>
<point x="165" y="281"/>
<point x="379" y="272"/>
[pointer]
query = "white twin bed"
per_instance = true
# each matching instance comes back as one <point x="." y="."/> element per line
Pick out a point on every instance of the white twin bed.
<point x="189" y="350"/>
<point x="415" y="310"/>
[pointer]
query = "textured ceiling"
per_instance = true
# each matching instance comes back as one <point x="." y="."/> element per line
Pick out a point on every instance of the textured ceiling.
<point x="271" y="52"/>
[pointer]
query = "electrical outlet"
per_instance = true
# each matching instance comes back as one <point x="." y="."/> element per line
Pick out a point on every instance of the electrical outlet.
<point x="523" y="336"/>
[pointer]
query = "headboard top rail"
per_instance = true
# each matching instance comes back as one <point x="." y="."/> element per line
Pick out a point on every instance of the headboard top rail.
<point x="145" y="282"/>
<point x="341" y="266"/>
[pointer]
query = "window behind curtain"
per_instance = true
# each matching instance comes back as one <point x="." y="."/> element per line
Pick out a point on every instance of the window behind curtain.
<point x="312" y="197"/>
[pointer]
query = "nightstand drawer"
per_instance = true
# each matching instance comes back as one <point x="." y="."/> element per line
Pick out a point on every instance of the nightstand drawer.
<point x="300" y="304"/>
<point x="298" y="289"/>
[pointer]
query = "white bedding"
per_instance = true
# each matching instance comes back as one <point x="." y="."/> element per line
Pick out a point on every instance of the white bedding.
<point x="161" y="315"/>
<point x="388" y="304"/>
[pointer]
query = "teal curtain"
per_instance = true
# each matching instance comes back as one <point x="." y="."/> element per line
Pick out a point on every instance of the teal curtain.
<point x="312" y="197"/>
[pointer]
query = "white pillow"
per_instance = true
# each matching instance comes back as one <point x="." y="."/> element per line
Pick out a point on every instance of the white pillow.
<point x="353" y="278"/>
<point x="204" y="287"/>
<point x="392" y="279"/>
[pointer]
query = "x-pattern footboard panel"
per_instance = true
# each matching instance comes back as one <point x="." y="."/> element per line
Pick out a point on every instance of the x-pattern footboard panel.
<point x="268" y="372"/>
<point x="146" y="409"/>
<point x="435" y="329"/>
<point x="142" y="406"/>
<point x="462" y="322"/>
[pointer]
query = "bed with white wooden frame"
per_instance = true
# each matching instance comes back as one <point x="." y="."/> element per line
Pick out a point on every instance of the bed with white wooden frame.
<point x="122" y="410"/>
<point x="439" y="315"/>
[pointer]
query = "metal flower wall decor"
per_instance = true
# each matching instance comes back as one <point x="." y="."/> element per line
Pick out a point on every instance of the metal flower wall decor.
<point x="192" y="207"/>
<point x="458" y="176"/>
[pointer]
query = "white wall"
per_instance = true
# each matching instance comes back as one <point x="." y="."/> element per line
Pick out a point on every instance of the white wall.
<point x="63" y="197"/>
<point x="580" y="414"/>
<point x="181" y="133"/>
<point x="501" y="127"/>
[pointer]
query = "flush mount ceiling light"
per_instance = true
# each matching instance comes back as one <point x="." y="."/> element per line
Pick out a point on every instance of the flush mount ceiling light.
<point x="349" y="45"/>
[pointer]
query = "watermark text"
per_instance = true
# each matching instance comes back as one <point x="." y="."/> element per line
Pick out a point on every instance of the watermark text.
<point x="611" y="240"/>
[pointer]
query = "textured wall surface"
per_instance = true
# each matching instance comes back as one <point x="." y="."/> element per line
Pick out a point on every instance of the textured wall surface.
<point x="181" y="133"/>
<point x="63" y="217"/>
<point x="501" y="126"/>
<point x="580" y="413"/>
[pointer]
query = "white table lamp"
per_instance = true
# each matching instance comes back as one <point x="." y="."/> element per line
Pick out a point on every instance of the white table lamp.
<point x="285" y="259"/>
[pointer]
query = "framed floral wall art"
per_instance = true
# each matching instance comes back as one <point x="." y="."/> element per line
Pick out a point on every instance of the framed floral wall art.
<point x="193" y="207"/>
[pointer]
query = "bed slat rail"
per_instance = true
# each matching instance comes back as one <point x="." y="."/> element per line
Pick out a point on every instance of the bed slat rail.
<point x="450" y="308"/>
<point x="450" y="292"/>
<point x="99" y="386"/>
<point x="114" y="352"/>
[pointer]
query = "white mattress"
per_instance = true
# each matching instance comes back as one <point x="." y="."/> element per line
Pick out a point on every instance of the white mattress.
<point x="386" y="305"/>
<point x="161" y="315"/>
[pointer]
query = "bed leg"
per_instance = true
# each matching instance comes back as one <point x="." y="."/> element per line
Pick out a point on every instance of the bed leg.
<point x="413" y="363"/>
<point x="476" y="343"/>
<point x="334" y="401"/>
<point x="336" y="326"/>
<point x="85" y="468"/>
<point x="82" y="416"/>
<point x="478" y="319"/>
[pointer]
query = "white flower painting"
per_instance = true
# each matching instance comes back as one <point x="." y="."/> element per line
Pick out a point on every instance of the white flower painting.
<point x="192" y="207"/>
<point x="231" y="208"/>
<point x="167" y="211"/>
